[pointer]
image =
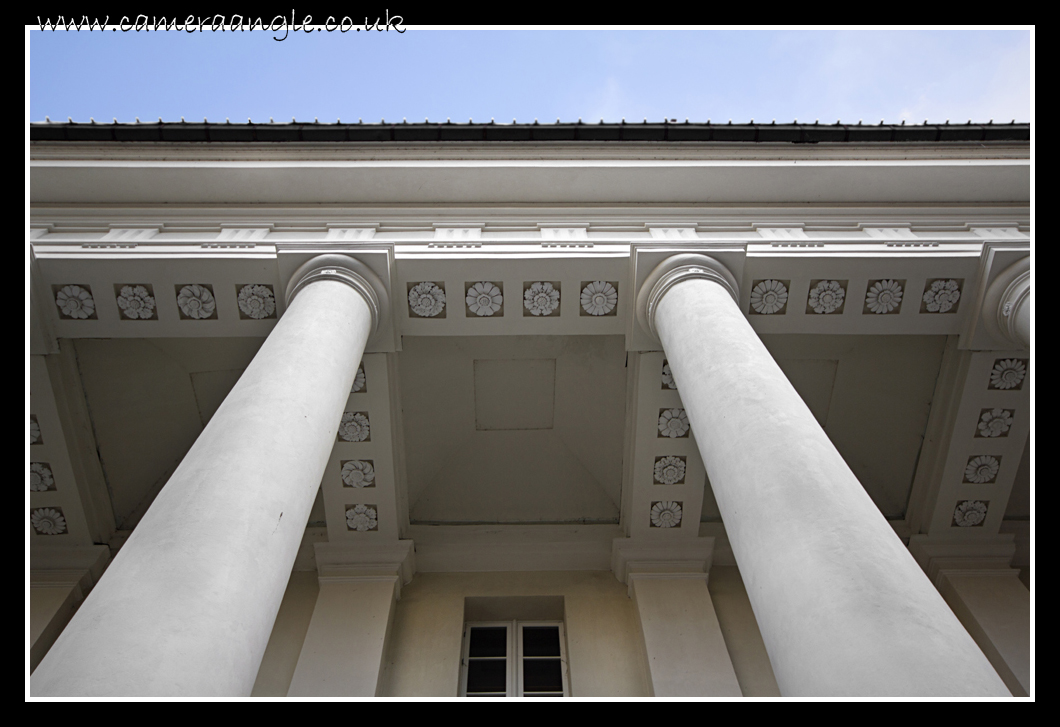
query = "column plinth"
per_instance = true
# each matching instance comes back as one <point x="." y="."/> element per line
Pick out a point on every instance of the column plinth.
<point x="843" y="608"/>
<point x="188" y="604"/>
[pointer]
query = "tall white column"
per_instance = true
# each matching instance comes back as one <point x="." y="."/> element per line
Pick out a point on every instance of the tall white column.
<point x="843" y="608"/>
<point x="188" y="604"/>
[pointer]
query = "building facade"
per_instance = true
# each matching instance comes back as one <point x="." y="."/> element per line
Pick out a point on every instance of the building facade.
<point x="672" y="410"/>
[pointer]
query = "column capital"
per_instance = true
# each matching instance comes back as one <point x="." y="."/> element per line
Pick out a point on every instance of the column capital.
<point x="348" y="270"/>
<point x="1006" y="304"/>
<point x="632" y="558"/>
<point x="673" y="270"/>
<point x="940" y="556"/>
<point x="360" y="561"/>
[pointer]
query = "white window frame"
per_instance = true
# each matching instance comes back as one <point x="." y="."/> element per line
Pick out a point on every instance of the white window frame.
<point x="514" y="656"/>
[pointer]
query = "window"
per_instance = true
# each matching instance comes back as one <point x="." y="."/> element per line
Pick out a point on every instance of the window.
<point x="513" y="659"/>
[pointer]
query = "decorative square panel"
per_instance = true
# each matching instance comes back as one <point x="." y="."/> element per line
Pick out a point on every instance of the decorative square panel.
<point x="362" y="517"/>
<point x="599" y="298"/>
<point x="75" y="302"/>
<point x="982" y="469"/>
<point x="884" y="297"/>
<point x="34" y="431"/>
<point x="484" y="299"/>
<point x="666" y="514"/>
<point x="1008" y="374"/>
<point x="673" y="423"/>
<point x="360" y="383"/>
<point x="195" y="301"/>
<point x="970" y="513"/>
<point x="357" y="473"/>
<point x="354" y="427"/>
<point x="826" y="297"/>
<point x="136" y="301"/>
<point x="41" y="478"/>
<point x="941" y="295"/>
<point x="48" y="521"/>
<point x="541" y="299"/>
<point x="257" y="301"/>
<point x="994" y="422"/>
<point x="426" y="299"/>
<point x="769" y="297"/>
<point x="668" y="377"/>
<point x="670" y="470"/>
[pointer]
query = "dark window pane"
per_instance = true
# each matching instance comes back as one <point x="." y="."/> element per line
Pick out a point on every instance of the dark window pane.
<point x="490" y="675"/>
<point x="541" y="641"/>
<point x="489" y="641"/>
<point x="542" y="675"/>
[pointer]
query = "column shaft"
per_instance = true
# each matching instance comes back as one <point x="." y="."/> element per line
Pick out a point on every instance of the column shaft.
<point x="188" y="604"/>
<point x="843" y="608"/>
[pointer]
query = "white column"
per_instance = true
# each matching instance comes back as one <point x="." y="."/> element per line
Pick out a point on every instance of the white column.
<point x="843" y="608"/>
<point x="188" y="604"/>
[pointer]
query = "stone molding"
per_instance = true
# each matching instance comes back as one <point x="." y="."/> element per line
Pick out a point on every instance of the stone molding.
<point x="348" y="270"/>
<point x="639" y="558"/>
<point x="362" y="562"/>
<point x="940" y="557"/>
<point x="670" y="272"/>
<point x="1010" y="291"/>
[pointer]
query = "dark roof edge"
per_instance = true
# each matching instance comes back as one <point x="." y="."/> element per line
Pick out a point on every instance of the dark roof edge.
<point x="559" y="132"/>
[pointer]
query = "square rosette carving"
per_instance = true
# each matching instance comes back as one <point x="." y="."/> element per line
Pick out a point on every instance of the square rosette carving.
<point x="484" y="299"/>
<point x="598" y="298"/>
<point x="769" y="297"/>
<point x="256" y="301"/>
<point x="41" y="478"/>
<point x="34" y="431"/>
<point x="884" y="296"/>
<point x="357" y="473"/>
<point x="673" y="423"/>
<point x="670" y="470"/>
<point x="1008" y="374"/>
<point x="354" y="427"/>
<point x="196" y="302"/>
<point x="994" y="423"/>
<point x="360" y="382"/>
<point x="826" y="297"/>
<point x="426" y="299"/>
<point x="666" y="514"/>
<point x="941" y="295"/>
<point x="541" y="299"/>
<point x="74" y="302"/>
<point x="982" y="469"/>
<point x="136" y="301"/>
<point x="362" y="517"/>
<point x="970" y="513"/>
<point x="48" y="521"/>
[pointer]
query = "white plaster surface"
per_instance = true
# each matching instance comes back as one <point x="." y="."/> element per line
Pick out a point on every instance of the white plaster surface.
<point x="843" y="608"/>
<point x="288" y="635"/>
<point x="187" y="606"/>
<point x="740" y="630"/>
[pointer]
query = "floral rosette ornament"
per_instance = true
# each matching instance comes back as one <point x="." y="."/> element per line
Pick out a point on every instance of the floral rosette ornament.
<point x="884" y="296"/>
<point x="361" y="518"/>
<point x="358" y="474"/>
<point x="599" y="298"/>
<point x="669" y="470"/>
<point x="34" y="431"/>
<point x="256" y="301"/>
<point x="942" y="295"/>
<point x="666" y="514"/>
<point x="1008" y="373"/>
<point x="48" y="521"/>
<point x="136" y="302"/>
<point x="994" y="423"/>
<point x="969" y="513"/>
<point x="426" y="299"/>
<point x="827" y="296"/>
<point x="196" y="301"/>
<point x="541" y="299"/>
<point x="981" y="469"/>
<point x="484" y="299"/>
<point x="354" y="427"/>
<point x="673" y="423"/>
<point x="769" y="297"/>
<point x="40" y="477"/>
<point x="75" y="302"/>
<point x="668" y="377"/>
<point x="358" y="380"/>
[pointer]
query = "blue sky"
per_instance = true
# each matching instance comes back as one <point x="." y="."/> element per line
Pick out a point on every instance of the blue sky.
<point x="527" y="74"/>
